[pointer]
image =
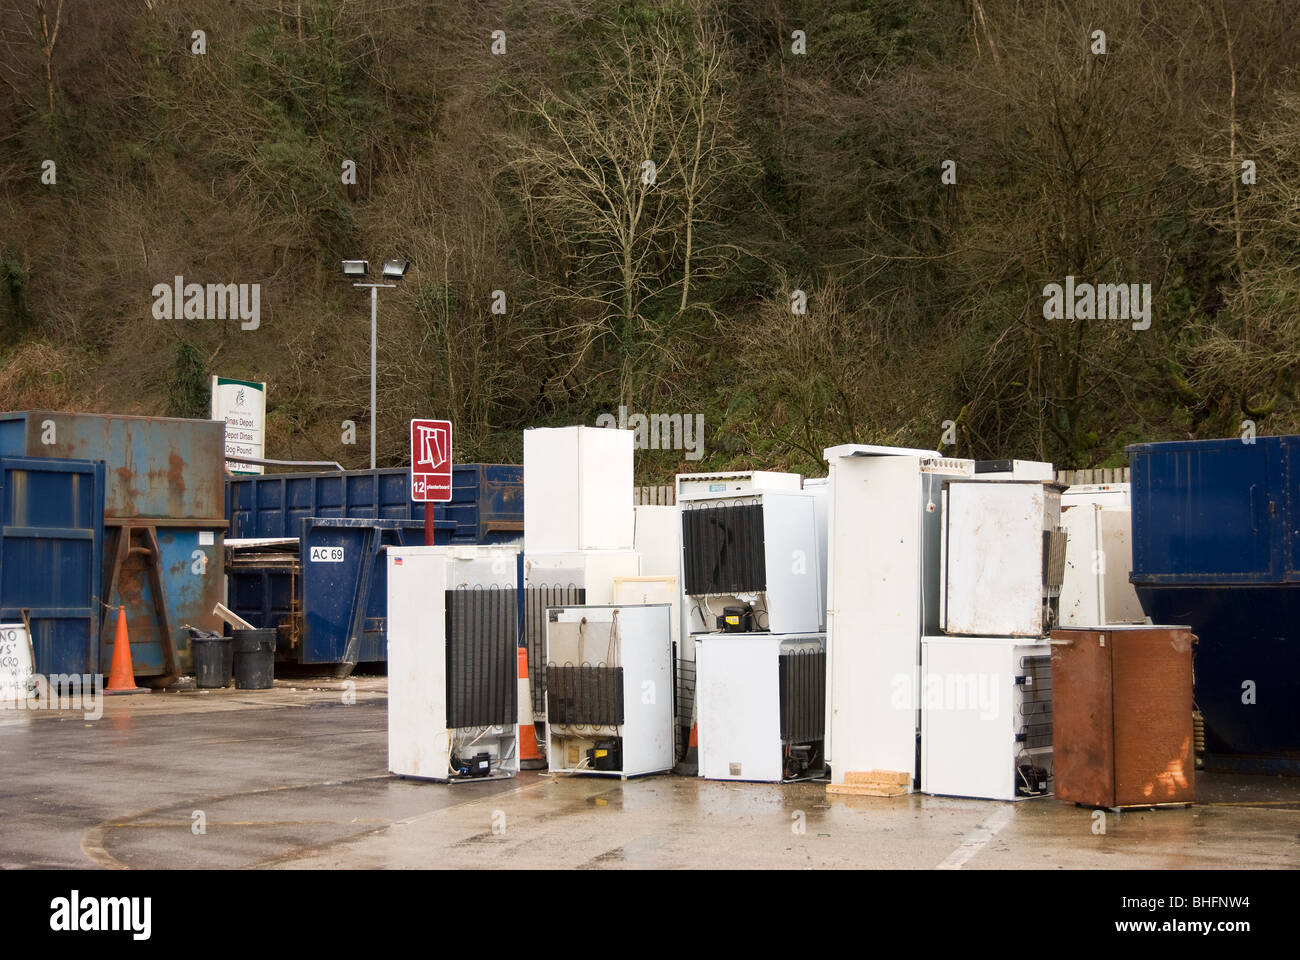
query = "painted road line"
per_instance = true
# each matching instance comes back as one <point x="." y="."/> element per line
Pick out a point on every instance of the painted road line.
<point x="974" y="841"/>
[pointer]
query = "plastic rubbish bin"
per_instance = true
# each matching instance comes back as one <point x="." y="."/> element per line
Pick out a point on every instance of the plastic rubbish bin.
<point x="254" y="658"/>
<point x="213" y="659"/>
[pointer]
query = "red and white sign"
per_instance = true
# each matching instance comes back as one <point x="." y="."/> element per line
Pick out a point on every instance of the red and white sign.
<point x="431" y="461"/>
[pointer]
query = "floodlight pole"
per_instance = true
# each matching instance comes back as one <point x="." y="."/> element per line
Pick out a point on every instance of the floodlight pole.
<point x="374" y="312"/>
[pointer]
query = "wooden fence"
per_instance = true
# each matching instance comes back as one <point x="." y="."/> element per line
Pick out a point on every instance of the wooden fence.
<point x="664" y="494"/>
<point x="1096" y="475"/>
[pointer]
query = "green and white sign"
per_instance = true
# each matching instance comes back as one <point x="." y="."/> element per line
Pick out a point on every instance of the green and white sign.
<point x="242" y="405"/>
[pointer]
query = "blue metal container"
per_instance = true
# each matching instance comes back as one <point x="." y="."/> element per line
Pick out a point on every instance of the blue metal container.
<point x="265" y="589"/>
<point x="162" y="500"/>
<point x="1216" y="545"/>
<point x="333" y="607"/>
<point x="487" y="504"/>
<point x="275" y="505"/>
<point x="327" y="596"/>
<point x="168" y="576"/>
<point x="51" y="538"/>
<point x="345" y="587"/>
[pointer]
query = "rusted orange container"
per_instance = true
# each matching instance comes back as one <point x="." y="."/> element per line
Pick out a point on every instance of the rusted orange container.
<point x="1122" y="716"/>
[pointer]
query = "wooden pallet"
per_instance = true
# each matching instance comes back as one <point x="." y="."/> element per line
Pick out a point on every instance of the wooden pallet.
<point x="872" y="783"/>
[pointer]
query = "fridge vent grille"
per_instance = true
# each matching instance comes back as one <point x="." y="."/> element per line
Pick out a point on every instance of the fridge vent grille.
<point x="482" y="665"/>
<point x="584" y="695"/>
<point x="802" y="677"/>
<point x="1036" y="701"/>
<point x="1054" y="557"/>
<point x="723" y="549"/>
<point x="536" y="600"/>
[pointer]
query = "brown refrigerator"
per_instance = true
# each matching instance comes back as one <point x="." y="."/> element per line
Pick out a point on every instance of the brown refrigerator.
<point x="1122" y="715"/>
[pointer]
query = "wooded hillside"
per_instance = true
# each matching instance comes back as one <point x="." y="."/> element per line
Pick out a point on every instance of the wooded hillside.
<point x="653" y="189"/>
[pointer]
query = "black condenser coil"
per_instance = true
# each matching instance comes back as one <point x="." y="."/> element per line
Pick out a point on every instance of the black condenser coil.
<point x="584" y="695"/>
<point x="722" y="548"/>
<point x="482" y="657"/>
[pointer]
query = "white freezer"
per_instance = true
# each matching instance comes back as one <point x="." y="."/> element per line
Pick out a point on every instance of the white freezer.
<point x="1098" y="559"/>
<point x="420" y="740"/>
<point x="982" y="714"/>
<point x="883" y="587"/>
<point x="738" y="697"/>
<point x="637" y="640"/>
<point x="592" y="570"/>
<point x="577" y="489"/>
<point x="993" y="545"/>
<point x="789" y="556"/>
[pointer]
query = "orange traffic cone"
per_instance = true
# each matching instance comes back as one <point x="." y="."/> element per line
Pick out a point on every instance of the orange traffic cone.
<point x="529" y="756"/>
<point x="121" y="677"/>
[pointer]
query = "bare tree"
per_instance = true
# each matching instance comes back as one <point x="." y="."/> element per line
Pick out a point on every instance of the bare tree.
<point x="49" y="36"/>
<point x="1251" y="349"/>
<point x="710" y="153"/>
<point x="619" y="175"/>
<point x="600" y="169"/>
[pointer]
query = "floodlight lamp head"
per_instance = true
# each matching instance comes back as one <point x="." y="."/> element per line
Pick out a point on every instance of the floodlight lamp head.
<point x="395" y="269"/>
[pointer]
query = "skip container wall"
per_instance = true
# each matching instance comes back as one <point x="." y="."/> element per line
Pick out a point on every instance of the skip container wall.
<point x="1216" y="545"/>
<point x="51" y="537"/>
<point x="487" y="504"/>
<point x="326" y="589"/>
<point x="162" y="503"/>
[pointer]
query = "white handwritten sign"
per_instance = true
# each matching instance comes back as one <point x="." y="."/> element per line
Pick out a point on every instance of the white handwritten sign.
<point x="15" y="662"/>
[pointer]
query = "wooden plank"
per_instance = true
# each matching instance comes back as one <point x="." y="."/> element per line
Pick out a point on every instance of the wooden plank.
<point x="877" y="776"/>
<point x="863" y="790"/>
<point x="232" y="618"/>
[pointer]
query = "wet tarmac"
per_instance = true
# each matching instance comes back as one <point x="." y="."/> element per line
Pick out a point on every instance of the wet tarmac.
<point x="296" y="777"/>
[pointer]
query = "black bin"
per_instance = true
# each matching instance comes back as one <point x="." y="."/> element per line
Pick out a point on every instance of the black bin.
<point x="254" y="658"/>
<point x="213" y="659"/>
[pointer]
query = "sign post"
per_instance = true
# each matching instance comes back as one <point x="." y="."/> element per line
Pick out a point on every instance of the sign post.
<point x="242" y="405"/>
<point x="430" y="468"/>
